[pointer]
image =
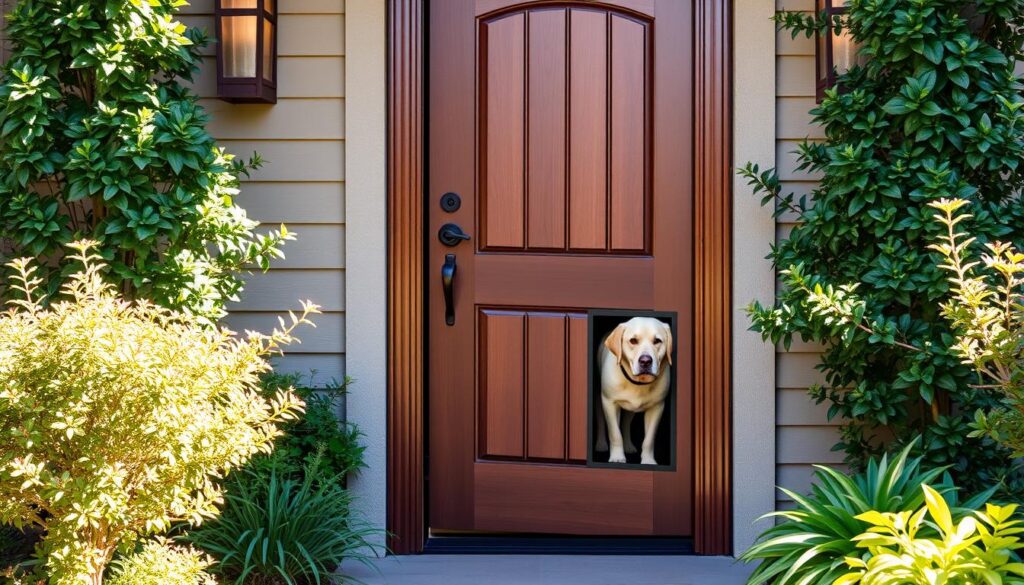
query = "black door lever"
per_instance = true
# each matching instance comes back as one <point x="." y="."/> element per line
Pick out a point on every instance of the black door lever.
<point x="448" y="282"/>
<point x="451" y="235"/>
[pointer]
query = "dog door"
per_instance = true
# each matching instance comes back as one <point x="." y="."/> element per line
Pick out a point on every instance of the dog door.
<point x="632" y="382"/>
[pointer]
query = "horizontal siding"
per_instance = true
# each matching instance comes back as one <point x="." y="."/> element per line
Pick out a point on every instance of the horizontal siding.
<point x="295" y="203"/>
<point x="298" y="77"/>
<point x="283" y="290"/>
<point x="289" y="119"/>
<point x="297" y="34"/>
<point x="328" y="336"/>
<point x="301" y="139"/>
<point x="804" y="435"/>
<point x="293" y="161"/>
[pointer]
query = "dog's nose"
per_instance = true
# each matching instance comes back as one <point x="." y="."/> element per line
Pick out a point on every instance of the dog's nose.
<point x="646" y="361"/>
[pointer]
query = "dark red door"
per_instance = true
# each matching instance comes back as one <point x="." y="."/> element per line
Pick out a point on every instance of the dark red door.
<point x="566" y="129"/>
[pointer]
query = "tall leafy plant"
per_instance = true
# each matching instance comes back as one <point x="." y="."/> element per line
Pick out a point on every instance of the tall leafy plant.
<point x="100" y="137"/>
<point x="935" y="111"/>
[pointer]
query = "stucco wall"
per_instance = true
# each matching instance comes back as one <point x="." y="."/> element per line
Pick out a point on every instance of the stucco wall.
<point x="753" y="278"/>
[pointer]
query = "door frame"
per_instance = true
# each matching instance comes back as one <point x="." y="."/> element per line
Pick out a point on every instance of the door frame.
<point x="712" y="227"/>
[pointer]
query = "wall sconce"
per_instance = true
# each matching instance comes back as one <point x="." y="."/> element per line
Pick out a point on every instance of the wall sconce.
<point x="246" y="51"/>
<point x="835" y="54"/>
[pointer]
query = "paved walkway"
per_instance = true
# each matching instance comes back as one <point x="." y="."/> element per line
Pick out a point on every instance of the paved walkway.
<point x="552" y="570"/>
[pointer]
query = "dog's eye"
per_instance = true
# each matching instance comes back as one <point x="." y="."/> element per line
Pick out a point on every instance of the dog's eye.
<point x="657" y="341"/>
<point x="634" y="341"/>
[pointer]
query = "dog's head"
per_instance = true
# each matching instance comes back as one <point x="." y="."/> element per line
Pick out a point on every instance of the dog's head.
<point x="641" y="345"/>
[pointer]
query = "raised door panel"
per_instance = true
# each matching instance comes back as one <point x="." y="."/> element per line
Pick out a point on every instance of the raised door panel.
<point x="532" y="385"/>
<point x="546" y="130"/>
<point x="564" y="131"/>
<point x="502" y="155"/>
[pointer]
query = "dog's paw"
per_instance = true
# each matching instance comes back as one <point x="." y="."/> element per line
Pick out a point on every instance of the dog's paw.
<point x="617" y="457"/>
<point x="630" y="448"/>
<point x="648" y="460"/>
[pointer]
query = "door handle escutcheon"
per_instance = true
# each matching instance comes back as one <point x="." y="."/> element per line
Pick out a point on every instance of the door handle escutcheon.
<point x="448" y="282"/>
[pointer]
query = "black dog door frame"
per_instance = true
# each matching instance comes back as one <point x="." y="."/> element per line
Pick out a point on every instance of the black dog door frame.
<point x="600" y="323"/>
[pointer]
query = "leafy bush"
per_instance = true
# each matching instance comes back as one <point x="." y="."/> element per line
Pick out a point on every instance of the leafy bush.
<point x="985" y="311"/>
<point x="316" y="438"/>
<point x="906" y="549"/>
<point x="809" y="545"/>
<point x="161" y="563"/>
<point x="277" y="526"/>
<point x="100" y="139"/>
<point x="116" y="416"/>
<point x="936" y="111"/>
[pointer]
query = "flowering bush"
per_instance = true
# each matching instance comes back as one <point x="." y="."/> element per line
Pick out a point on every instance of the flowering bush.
<point x="116" y="417"/>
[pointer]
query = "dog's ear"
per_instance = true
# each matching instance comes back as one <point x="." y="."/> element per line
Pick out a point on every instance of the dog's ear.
<point x="614" y="341"/>
<point x="668" y="341"/>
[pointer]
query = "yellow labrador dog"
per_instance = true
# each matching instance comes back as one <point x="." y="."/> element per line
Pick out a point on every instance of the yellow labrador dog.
<point x="635" y="362"/>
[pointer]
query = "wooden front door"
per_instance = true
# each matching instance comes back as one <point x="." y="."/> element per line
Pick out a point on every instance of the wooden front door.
<point x="566" y="130"/>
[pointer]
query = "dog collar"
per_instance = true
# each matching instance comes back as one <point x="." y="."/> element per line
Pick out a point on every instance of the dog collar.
<point x="630" y="378"/>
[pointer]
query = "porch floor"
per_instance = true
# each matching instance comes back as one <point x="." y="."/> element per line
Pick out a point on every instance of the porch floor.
<point x="551" y="570"/>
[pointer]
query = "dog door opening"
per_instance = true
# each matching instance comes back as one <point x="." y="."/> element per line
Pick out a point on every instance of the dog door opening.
<point x="632" y="389"/>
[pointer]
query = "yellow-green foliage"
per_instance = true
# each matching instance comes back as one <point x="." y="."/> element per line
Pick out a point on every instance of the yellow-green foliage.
<point x="906" y="548"/>
<point x="116" y="417"/>
<point x="161" y="563"/>
<point x="986" y="314"/>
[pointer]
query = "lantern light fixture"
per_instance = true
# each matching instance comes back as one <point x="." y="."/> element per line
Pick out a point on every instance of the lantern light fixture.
<point x="835" y="54"/>
<point x="246" y="51"/>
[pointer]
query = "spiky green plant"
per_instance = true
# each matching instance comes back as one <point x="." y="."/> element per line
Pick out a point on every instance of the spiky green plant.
<point x="809" y="545"/>
<point x="279" y="527"/>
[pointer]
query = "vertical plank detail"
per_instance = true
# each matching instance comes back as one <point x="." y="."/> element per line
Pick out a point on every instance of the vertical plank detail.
<point x="503" y="86"/>
<point x="712" y="288"/>
<point x="588" y="131"/>
<point x="546" y="107"/>
<point x="546" y="386"/>
<point x="501" y="384"/>
<point x="628" y="134"/>
<point x="578" y="390"/>
<point x="405" y="392"/>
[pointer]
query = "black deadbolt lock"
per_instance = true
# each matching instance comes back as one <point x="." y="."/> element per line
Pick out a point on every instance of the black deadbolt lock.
<point x="451" y="202"/>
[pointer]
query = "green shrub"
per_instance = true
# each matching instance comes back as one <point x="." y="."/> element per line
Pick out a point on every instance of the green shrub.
<point x="935" y="112"/>
<point x="985" y="311"/>
<point x="905" y="548"/>
<point x="809" y="545"/>
<point x="161" y="563"/>
<point x="100" y="138"/>
<point x="117" y="416"/>
<point x="277" y="526"/>
<point x="317" y="437"/>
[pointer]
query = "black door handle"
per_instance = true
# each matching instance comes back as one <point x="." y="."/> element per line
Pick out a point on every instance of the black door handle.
<point x="448" y="282"/>
<point x="451" y="235"/>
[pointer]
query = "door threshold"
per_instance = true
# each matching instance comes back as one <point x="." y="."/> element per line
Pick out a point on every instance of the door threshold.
<point x="557" y="545"/>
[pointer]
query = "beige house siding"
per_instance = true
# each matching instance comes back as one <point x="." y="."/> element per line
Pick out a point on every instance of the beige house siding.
<point x="804" y="436"/>
<point x="302" y="184"/>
